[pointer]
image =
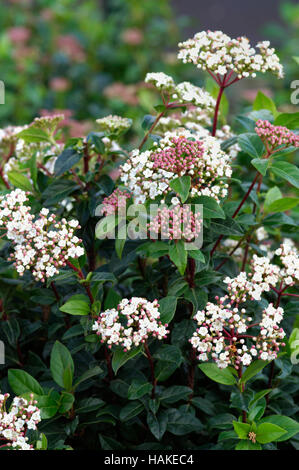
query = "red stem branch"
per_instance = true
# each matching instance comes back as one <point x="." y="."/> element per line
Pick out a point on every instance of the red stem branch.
<point x="237" y="210"/>
<point x="221" y="89"/>
<point x="81" y="276"/>
<point x="151" y="363"/>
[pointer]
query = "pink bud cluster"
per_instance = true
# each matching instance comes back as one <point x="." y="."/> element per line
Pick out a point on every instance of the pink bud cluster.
<point x="41" y="245"/>
<point x="130" y="324"/>
<point x="275" y="136"/>
<point x="149" y="173"/>
<point x="222" y="334"/>
<point x="195" y="121"/>
<point x="22" y="415"/>
<point x="178" y="223"/>
<point x="180" y="158"/>
<point x="116" y="200"/>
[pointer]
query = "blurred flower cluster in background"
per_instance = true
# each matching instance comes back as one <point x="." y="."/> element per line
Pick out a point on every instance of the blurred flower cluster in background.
<point x="84" y="57"/>
<point x="88" y="59"/>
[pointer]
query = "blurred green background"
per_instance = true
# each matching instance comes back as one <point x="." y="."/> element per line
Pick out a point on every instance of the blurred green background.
<point x="90" y="58"/>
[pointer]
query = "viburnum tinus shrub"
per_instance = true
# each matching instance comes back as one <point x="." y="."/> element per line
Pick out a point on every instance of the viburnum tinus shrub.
<point x="149" y="295"/>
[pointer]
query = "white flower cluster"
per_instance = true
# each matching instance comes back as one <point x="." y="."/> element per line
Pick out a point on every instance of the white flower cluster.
<point x="130" y="324"/>
<point x="262" y="277"/>
<point x="264" y="273"/>
<point x="240" y="287"/>
<point x="184" y="92"/>
<point x="218" y="53"/>
<point x="161" y="80"/>
<point x="146" y="177"/>
<point x="48" y="124"/>
<point x="270" y="336"/>
<point x="8" y="135"/>
<point x="167" y="123"/>
<point x="222" y="334"/>
<point x="40" y="245"/>
<point x="22" y="415"/>
<point x="289" y="257"/>
<point x="46" y="152"/>
<point x="114" y="124"/>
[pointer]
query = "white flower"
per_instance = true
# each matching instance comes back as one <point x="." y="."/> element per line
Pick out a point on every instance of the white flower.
<point x="42" y="245"/>
<point x="14" y="422"/>
<point x="131" y="323"/>
<point x="218" y="53"/>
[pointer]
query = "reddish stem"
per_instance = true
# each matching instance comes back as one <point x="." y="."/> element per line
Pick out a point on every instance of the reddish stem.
<point x="279" y="295"/>
<point x="234" y="81"/>
<point x="246" y="196"/>
<point x="91" y="255"/>
<point x="190" y="272"/>
<point x="191" y="375"/>
<point x="214" y="77"/>
<point x="151" y="363"/>
<point x="221" y="89"/>
<point x="81" y="275"/>
<point x="237" y="210"/>
<point x="152" y="128"/>
<point x="20" y="354"/>
<point x="253" y="324"/>
<point x="290" y="295"/>
<point x="85" y="158"/>
<point x="229" y="255"/>
<point x="4" y="314"/>
<point x="108" y="362"/>
<point x="55" y="291"/>
<point x="3" y="179"/>
<point x="42" y="167"/>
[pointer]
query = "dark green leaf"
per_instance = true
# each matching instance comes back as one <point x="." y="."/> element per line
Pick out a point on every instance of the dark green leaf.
<point x="181" y="186"/>
<point x="66" y="160"/>
<point x="222" y="376"/>
<point x="167" y="309"/>
<point x="62" y="365"/>
<point x="21" y="382"/>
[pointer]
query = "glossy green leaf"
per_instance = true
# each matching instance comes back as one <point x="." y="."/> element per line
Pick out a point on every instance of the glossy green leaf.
<point x="181" y="186"/>
<point x="76" y="305"/>
<point x="62" y="365"/>
<point x="21" y="382"/>
<point x="222" y="376"/>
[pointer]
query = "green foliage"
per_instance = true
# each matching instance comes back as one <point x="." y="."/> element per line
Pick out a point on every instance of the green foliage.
<point x="157" y="395"/>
